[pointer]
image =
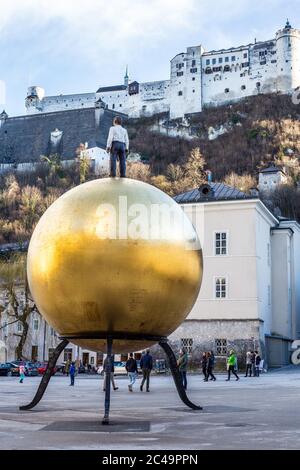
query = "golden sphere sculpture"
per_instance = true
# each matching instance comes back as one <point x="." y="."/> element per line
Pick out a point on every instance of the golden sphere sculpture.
<point x="114" y="257"/>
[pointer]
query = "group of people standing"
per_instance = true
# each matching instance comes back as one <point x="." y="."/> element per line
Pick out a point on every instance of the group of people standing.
<point x="253" y="361"/>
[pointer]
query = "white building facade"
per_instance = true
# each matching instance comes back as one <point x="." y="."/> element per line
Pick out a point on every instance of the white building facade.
<point x="198" y="78"/>
<point x="250" y="295"/>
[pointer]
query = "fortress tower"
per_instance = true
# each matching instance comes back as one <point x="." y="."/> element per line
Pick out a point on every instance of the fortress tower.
<point x="288" y="58"/>
<point x="34" y="98"/>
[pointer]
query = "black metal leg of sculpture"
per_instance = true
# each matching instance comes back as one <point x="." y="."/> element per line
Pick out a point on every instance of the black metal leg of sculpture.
<point x="177" y="376"/>
<point x="107" y="378"/>
<point x="46" y="377"/>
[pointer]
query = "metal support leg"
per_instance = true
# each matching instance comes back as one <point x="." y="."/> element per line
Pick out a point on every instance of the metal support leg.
<point x="176" y="375"/>
<point x="46" y="377"/>
<point x="107" y="381"/>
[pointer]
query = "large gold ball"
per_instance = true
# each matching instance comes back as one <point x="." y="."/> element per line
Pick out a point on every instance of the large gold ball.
<point x="111" y="256"/>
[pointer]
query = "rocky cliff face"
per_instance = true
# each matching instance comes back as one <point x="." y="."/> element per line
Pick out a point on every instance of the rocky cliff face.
<point x="234" y="138"/>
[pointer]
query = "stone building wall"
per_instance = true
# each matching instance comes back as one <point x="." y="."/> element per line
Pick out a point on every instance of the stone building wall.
<point x="240" y="335"/>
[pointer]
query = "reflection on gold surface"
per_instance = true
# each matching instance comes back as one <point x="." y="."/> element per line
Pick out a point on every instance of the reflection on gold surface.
<point x="83" y="283"/>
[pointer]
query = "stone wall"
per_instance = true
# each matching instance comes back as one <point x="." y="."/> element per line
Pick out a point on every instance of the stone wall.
<point x="241" y="336"/>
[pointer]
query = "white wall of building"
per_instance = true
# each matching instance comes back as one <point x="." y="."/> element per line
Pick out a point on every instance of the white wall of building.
<point x="261" y="268"/>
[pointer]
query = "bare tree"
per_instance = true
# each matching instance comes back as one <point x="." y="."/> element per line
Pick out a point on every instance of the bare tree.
<point x="17" y="305"/>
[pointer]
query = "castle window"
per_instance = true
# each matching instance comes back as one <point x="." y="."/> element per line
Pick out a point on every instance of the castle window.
<point x="243" y="87"/>
<point x="120" y="106"/>
<point x="220" y="60"/>
<point x="208" y="70"/>
<point x="214" y="61"/>
<point x="273" y="61"/>
<point x="245" y="55"/>
<point x="193" y="79"/>
<point x="226" y="59"/>
<point x="217" y="69"/>
<point x="263" y="62"/>
<point x="193" y="91"/>
<point x="180" y="93"/>
<point x="193" y="63"/>
<point x="245" y="64"/>
<point x="194" y="70"/>
<point x="179" y="74"/>
<point x="227" y="90"/>
<point x="113" y="106"/>
<point x="258" y="84"/>
<point x="208" y="62"/>
<point x="227" y="68"/>
<point x="233" y="58"/>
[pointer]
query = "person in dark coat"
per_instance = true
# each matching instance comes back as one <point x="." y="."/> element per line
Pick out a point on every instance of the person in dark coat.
<point x="204" y="366"/>
<point x="72" y="372"/>
<point x="253" y="363"/>
<point x="257" y="363"/>
<point x="132" y="370"/>
<point x="210" y="367"/>
<point x="182" y="364"/>
<point x="146" y="366"/>
<point x="112" y="378"/>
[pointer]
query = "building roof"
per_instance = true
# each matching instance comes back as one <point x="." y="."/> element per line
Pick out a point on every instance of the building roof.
<point x="111" y="88"/>
<point x="24" y="139"/>
<point x="272" y="169"/>
<point x="211" y="192"/>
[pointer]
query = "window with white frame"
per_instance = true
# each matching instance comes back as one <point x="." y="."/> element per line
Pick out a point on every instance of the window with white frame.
<point x="20" y="327"/>
<point x="221" y="287"/>
<point x="221" y="243"/>
<point x="221" y="347"/>
<point x="187" y="344"/>
<point x="35" y="324"/>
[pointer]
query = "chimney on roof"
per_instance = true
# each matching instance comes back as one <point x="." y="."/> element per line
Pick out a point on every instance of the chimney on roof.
<point x="206" y="191"/>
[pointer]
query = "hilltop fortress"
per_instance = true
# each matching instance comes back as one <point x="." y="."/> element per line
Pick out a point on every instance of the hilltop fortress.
<point x="197" y="79"/>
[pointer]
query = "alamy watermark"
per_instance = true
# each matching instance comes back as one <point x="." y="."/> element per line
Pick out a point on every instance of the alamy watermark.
<point x="296" y="354"/>
<point x="155" y="222"/>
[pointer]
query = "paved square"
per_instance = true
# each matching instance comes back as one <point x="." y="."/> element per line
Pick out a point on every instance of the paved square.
<point x="254" y="413"/>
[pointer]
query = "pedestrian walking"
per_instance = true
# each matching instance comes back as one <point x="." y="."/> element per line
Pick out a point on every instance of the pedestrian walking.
<point x="213" y="361"/>
<point x="231" y="366"/>
<point x="22" y="373"/>
<point x="112" y="371"/>
<point x="257" y="363"/>
<point x="146" y="365"/>
<point x="182" y="364"/>
<point x="118" y="147"/>
<point x="72" y="372"/>
<point x="132" y="370"/>
<point x="249" y="363"/>
<point x="204" y="366"/>
<point x="210" y="367"/>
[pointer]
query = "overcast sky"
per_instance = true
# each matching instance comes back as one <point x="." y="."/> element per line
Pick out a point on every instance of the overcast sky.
<point x="69" y="46"/>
